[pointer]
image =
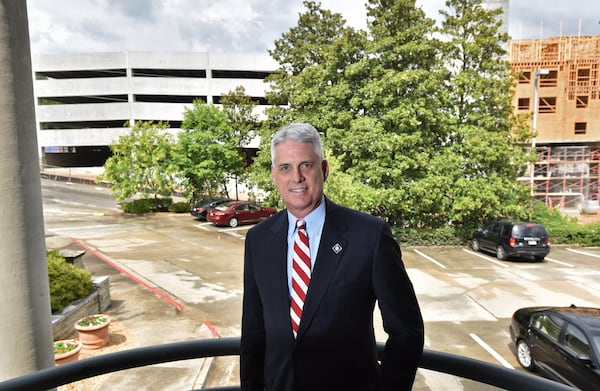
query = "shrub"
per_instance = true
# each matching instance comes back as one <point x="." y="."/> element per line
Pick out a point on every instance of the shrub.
<point x="592" y="237"/>
<point x="161" y="204"/>
<point x="179" y="207"/>
<point x="67" y="282"/>
<point x="562" y="230"/>
<point x="142" y="205"/>
<point x="446" y="236"/>
<point x="566" y="230"/>
<point x="147" y="205"/>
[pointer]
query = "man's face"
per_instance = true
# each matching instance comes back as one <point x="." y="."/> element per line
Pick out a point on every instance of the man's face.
<point x="299" y="175"/>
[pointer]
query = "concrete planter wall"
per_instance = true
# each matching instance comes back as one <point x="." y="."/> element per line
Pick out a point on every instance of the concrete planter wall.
<point x="63" y="322"/>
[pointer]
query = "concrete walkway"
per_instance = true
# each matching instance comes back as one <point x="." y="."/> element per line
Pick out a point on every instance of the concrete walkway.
<point x="141" y="317"/>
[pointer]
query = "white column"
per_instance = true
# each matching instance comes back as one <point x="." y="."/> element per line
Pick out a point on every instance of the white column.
<point x="26" y="327"/>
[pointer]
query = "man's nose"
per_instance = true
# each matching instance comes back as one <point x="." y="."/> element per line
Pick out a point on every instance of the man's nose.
<point x="298" y="176"/>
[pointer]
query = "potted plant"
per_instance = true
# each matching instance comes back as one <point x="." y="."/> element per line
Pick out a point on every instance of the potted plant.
<point x="66" y="350"/>
<point x="93" y="330"/>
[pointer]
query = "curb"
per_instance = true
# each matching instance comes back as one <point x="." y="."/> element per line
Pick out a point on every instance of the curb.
<point x="207" y="361"/>
<point x="128" y="274"/>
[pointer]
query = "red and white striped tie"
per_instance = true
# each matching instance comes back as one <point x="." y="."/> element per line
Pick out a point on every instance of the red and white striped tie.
<point x="300" y="275"/>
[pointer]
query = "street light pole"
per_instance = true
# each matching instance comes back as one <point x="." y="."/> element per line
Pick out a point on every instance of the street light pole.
<point x="534" y="125"/>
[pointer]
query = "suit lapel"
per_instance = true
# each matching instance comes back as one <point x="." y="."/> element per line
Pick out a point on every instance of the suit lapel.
<point x="277" y="267"/>
<point x="331" y="250"/>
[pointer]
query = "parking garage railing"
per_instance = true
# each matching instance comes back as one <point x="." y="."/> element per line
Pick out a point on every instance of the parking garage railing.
<point x="452" y="364"/>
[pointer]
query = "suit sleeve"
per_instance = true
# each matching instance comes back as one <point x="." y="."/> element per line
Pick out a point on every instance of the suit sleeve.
<point x="402" y="319"/>
<point x="252" y="349"/>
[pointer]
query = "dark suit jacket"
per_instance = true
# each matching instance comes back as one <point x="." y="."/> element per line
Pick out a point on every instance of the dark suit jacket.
<point x="358" y="262"/>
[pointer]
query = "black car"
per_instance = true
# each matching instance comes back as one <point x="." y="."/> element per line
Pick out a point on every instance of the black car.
<point x="513" y="239"/>
<point x="561" y="342"/>
<point x="200" y="208"/>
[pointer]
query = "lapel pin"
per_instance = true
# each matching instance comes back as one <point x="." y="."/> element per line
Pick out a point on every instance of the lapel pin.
<point x="337" y="248"/>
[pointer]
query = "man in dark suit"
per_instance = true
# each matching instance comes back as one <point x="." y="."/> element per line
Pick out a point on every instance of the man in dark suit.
<point x="326" y="341"/>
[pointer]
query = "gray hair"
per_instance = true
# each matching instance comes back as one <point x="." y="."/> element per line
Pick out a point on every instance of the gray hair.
<point x="298" y="132"/>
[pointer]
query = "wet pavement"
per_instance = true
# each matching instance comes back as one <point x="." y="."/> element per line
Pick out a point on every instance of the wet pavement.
<point x="141" y="317"/>
<point x="167" y="284"/>
<point x="172" y="276"/>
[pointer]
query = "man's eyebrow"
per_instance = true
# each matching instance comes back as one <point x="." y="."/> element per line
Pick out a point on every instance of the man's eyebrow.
<point x="299" y="163"/>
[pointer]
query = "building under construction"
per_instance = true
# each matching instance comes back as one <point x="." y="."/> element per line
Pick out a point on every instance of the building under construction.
<point x="559" y="85"/>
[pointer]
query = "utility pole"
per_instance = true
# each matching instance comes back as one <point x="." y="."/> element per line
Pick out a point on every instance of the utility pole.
<point x="26" y="326"/>
<point x="538" y="73"/>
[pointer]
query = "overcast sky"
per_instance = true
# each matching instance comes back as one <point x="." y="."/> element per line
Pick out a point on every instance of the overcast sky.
<point x="71" y="26"/>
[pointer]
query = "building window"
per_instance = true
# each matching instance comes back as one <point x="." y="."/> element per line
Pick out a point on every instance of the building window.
<point x="525" y="77"/>
<point x="583" y="75"/>
<point x="86" y="74"/>
<point x="549" y="80"/>
<point x="68" y="100"/>
<point x="580" y="127"/>
<point x="547" y="105"/>
<point x="225" y="74"/>
<point x="187" y="73"/>
<point x="581" y="102"/>
<point x="523" y="104"/>
<point x="167" y="98"/>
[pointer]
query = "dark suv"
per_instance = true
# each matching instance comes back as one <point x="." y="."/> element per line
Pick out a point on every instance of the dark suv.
<point x="513" y="239"/>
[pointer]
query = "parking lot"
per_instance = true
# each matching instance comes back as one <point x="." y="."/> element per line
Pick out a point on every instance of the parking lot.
<point x="467" y="298"/>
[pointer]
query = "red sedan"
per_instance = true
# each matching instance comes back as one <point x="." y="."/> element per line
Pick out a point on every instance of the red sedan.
<point x="239" y="212"/>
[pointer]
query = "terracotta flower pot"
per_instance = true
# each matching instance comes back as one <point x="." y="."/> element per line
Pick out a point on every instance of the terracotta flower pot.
<point x="66" y="350"/>
<point x="93" y="331"/>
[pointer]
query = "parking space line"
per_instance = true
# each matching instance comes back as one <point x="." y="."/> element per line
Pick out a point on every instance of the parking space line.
<point x="583" y="253"/>
<point x="430" y="259"/>
<point x="491" y="351"/>
<point x="208" y="226"/>
<point x="559" y="262"/>
<point x="236" y="235"/>
<point x="238" y="228"/>
<point x="81" y="228"/>
<point x="486" y="257"/>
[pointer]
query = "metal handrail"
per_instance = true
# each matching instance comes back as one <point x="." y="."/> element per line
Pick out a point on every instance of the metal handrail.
<point x="452" y="364"/>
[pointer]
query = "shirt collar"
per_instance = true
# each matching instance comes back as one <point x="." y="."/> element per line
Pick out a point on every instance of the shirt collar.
<point x="314" y="219"/>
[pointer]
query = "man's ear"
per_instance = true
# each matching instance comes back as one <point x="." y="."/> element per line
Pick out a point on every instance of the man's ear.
<point x="325" y="168"/>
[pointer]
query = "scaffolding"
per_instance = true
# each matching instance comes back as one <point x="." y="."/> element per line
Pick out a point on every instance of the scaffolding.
<point x="566" y="174"/>
<point x="566" y="177"/>
<point x="577" y="56"/>
<point x="555" y="50"/>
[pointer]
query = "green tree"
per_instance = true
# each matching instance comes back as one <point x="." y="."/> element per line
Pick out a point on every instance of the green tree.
<point x="482" y="161"/>
<point x="142" y="162"/>
<point x="421" y="126"/>
<point x="207" y="151"/>
<point x="312" y="58"/>
<point x="394" y="123"/>
<point x="239" y="109"/>
<point x="313" y="77"/>
<point x="372" y="95"/>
